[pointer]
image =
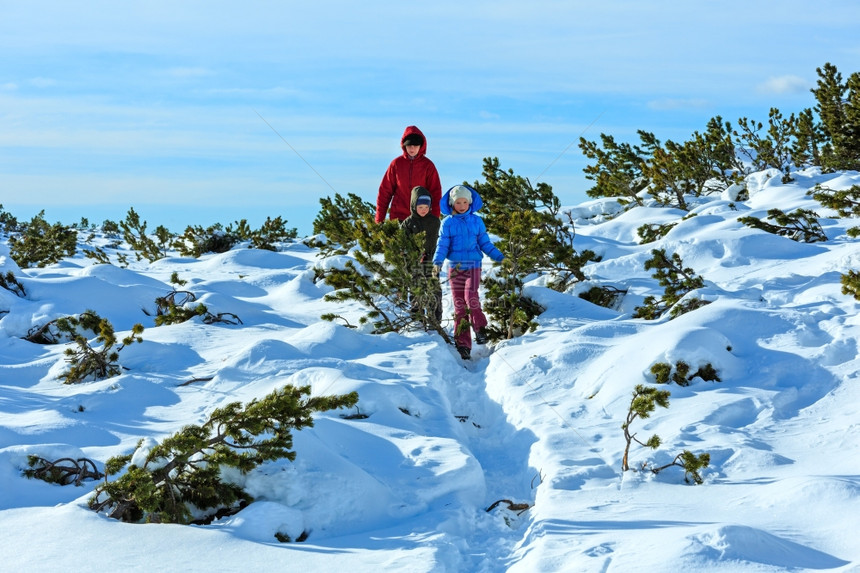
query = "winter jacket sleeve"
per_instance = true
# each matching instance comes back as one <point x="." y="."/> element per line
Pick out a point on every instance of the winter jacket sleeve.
<point x="431" y="237"/>
<point x="443" y="245"/>
<point x="434" y="185"/>
<point x="487" y="245"/>
<point x="386" y="192"/>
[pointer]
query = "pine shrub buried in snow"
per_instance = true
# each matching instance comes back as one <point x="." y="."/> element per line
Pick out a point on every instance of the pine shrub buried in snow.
<point x="645" y="400"/>
<point x="845" y="202"/>
<point x="680" y="374"/>
<point x="677" y="281"/>
<point x="176" y="306"/>
<point x="180" y="478"/>
<point x="86" y="362"/>
<point x="800" y="225"/>
<point x="272" y="231"/>
<point x="64" y="329"/>
<point x="10" y="283"/>
<point x="63" y="471"/>
<point x="851" y="284"/>
<point x="604" y="295"/>
<point x="197" y="240"/>
<point x="651" y="232"/>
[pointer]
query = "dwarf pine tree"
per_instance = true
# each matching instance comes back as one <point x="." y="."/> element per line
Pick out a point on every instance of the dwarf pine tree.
<point x="771" y="149"/>
<point x="387" y="277"/>
<point x="272" y="231"/>
<point x="86" y="362"/>
<point x="677" y="281"/>
<point x="63" y="471"/>
<point x="510" y="197"/>
<point x="606" y="296"/>
<point x="181" y="476"/>
<point x="706" y="163"/>
<point x="672" y="177"/>
<point x="691" y="463"/>
<point x="800" y="225"/>
<point x="177" y="306"/>
<point x="617" y="170"/>
<point x="197" y="240"/>
<point x="144" y="246"/>
<point x="650" y="232"/>
<point x="645" y="400"/>
<point x="839" y="109"/>
<point x="535" y="239"/>
<point x="511" y="312"/>
<point x="8" y="221"/>
<point x="10" y="283"/>
<point x="38" y="243"/>
<point x="337" y="220"/>
<point x="680" y="374"/>
<point x="845" y="202"/>
<point x="718" y="152"/>
<point x="64" y="329"/>
<point x="808" y="137"/>
<point x="851" y="284"/>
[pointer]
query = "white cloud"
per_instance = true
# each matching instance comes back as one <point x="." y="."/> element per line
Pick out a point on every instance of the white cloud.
<point x="784" y="85"/>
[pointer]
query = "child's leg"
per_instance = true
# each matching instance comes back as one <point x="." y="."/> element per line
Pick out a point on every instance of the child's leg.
<point x="476" y="313"/>
<point x="458" y="280"/>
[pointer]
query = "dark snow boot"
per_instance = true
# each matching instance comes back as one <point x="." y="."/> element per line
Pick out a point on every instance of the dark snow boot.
<point x="480" y="336"/>
<point x="465" y="352"/>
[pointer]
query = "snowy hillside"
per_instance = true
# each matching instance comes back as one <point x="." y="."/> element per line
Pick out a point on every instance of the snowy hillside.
<point x="535" y="421"/>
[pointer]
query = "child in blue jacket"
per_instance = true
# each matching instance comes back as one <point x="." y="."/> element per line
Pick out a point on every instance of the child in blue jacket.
<point x="463" y="240"/>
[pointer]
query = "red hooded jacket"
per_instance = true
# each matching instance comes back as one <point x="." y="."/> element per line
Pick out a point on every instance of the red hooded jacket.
<point x="404" y="173"/>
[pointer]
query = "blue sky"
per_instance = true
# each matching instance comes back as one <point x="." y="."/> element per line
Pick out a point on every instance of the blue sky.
<point x="157" y="105"/>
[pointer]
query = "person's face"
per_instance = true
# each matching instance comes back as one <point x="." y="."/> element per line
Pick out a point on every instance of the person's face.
<point x="412" y="150"/>
<point x="422" y="210"/>
<point x="461" y="205"/>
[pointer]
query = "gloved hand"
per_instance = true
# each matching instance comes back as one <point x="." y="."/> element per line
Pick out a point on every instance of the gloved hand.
<point x="436" y="270"/>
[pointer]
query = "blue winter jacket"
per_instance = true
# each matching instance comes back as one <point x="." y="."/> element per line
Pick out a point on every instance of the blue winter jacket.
<point x="463" y="238"/>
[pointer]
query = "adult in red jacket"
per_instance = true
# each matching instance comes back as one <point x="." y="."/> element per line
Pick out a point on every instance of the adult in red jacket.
<point x="405" y="172"/>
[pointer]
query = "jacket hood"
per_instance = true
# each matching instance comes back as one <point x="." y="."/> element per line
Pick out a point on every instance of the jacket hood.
<point x="418" y="191"/>
<point x="445" y="205"/>
<point x="410" y="130"/>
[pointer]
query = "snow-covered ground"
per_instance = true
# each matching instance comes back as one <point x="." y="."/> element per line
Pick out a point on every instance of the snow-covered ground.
<point x="535" y="420"/>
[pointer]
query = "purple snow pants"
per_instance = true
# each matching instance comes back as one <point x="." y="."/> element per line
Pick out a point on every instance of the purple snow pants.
<point x="467" y="304"/>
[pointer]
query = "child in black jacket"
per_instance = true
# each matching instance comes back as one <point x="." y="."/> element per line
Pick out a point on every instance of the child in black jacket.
<point x="423" y="220"/>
